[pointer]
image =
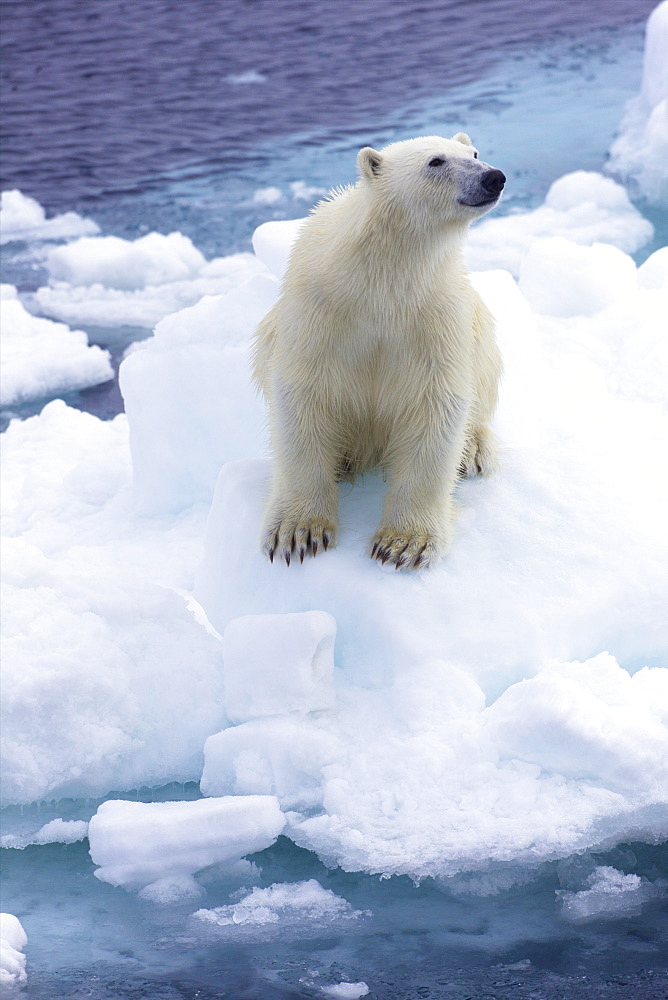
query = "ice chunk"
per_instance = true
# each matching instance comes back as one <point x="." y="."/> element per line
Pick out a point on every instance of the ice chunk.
<point x="283" y="756"/>
<point x="584" y="207"/>
<point x="94" y="632"/>
<point x="640" y="151"/>
<point x="653" y="274"/>
<point x="56" y="831"/>
<point x="272" y="243"/>
<point x="303" y="909"/>
<point x="588" y="720"/>
<point x="23" y="218"/>
<point x="13" y="940"/>
<point x="346" y="991"/>
<point x="190" y="400"/>
<point x="267" y="196"/>
<point x="275" y="664"/>
<point x="109" y="281"/>
<point x="611" y="896"/>
<point x="41" y="358"/>
<point x="172" y="889"/>
<point x="153" y="259"/>
<point x="138" y="843"/>
<point x="560" y="278"/>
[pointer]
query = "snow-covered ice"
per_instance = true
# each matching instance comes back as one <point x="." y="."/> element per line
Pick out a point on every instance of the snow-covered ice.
<point x="13" y="940"/>
<point x="583" y="207"/>
<point x="23" y="218"/>
<point x="41" y="358"/>
<point x="508" y="707"/>
<point x="640" y="151"/>
<point x="610" y="894"/>
<point x="93" y="606"/>
<point x="302" y="909"/>
<point x="110" y="282"/>
<point x="138" y="844"/>
<point x="300" y="651"/>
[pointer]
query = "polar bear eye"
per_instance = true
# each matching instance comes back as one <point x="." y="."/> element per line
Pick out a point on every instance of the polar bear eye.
<point x="437" y="161"/>
<point x="475" y="154"/>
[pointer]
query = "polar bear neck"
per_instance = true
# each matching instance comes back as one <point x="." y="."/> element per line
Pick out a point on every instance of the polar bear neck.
<point x="352" y="247"/>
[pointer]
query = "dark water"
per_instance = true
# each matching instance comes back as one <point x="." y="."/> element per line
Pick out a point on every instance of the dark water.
<point x="419" y="943"/>
<point x="105" y="98"/>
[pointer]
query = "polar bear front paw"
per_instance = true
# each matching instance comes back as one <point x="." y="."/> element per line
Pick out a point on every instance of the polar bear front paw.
<point x="305" y="537"/>
<point x="405" y="549"/>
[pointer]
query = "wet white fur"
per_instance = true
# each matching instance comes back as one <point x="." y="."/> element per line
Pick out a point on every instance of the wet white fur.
<point x="380" y="352"/>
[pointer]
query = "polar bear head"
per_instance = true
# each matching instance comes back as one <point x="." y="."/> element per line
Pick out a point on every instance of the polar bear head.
<point x="430" y="181"/>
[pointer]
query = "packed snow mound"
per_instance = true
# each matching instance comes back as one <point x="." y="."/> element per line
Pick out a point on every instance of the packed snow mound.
<point x="294" y="909"/>
<point x="640" y="152"/>
<point x="198" y="356"/>
<point x="41" y="358"/>
<point x="108" y="281"/>
<point x="97" y="635"/>
<point x="141" y="843"/>
<point x="13" y="940"/>
<point x="583" y="207"/>
<point x="23" y="218"/>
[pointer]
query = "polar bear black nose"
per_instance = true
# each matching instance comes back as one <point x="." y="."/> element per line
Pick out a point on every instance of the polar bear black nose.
<point x="493" y="181"/>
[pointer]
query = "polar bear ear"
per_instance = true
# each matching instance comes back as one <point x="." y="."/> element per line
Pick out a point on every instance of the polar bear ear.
<point x="463" y="138"/>
<point x="369" y="161"/>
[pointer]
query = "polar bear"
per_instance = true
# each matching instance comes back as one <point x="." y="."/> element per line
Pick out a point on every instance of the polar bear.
<point x="379" y="352"/>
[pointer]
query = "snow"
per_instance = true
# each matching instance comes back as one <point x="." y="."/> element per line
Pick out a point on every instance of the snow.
<point x="299" y="650"/>
<point x="56" y="831"/>
<point x="41" y="358"/>
<point x="584" y="279"/>
<point x="507" y="709"/>
<point x="583" y="207"/>
<point x="23" y="218"/>
<point x="198" y="356"/>
<point x="138" y="844"/>
<point x="346" y="991"/>
<point x="638" y="154"/>
<point x="13" y="940"/>
<point x="303" y="909"/>
<point x="610" y="895"/>
<point x="97" y="632"/>
<point x="108" y="281"/>
<point x="272" y="242"/>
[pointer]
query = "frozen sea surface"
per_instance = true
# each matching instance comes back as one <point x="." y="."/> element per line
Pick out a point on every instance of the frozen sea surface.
<point x="460" y="792"/>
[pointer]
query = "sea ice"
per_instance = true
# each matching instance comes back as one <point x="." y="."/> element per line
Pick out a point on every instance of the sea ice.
<point x="583" y="279"/>
<point x="138" y="844"/>
<point x="13" y="940"/>
<point x="346" y="991"/>
<point x="199" y="358"/>
<point x="610" y="895"/>
<point x="640" y="151"/>
<point x="295" y="909"/>
<point x="23" y="218"/>
<point x="41" y="358"/>
<point x="107" y="281"/>
<point x="97" y="636"/>
<point x="584" y="207"/>
<point x="278" y="664"/>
